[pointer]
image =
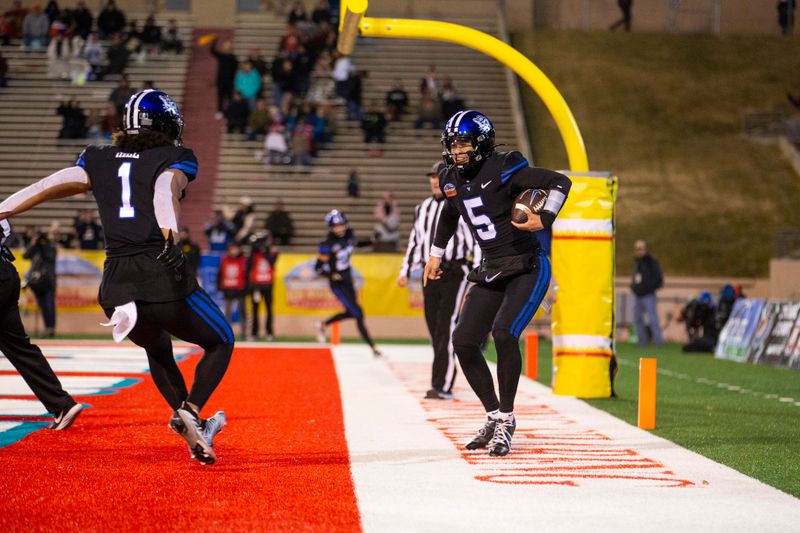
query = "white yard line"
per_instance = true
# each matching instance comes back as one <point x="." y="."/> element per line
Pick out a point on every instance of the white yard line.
<point x="574" y="468"/>
<point x="718" y="384"/>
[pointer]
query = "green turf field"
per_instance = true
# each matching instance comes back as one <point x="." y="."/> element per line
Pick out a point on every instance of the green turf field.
<point x="756" y="432"/>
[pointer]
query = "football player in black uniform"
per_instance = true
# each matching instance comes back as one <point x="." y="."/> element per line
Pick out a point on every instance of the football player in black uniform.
<point x="480" y="185"/>
<point x="146" y="289"/>
<point x="334" y="262"/>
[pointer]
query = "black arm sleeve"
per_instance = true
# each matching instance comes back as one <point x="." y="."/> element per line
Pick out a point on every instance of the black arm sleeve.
<point x="446" y="228"/>
<point x="539" y="178"/>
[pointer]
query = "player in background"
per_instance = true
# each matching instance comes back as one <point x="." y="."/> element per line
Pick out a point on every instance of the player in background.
<point x="25" y="356"/>
<point x="480" y="186"/>
<point x="334" y="263"/>
<point x="261" y="275"/>
<point x="442" y="297"/>
<point x="147" y="290"/>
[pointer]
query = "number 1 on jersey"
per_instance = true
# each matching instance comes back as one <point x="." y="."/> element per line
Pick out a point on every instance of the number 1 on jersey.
<point x="124" y="173"/>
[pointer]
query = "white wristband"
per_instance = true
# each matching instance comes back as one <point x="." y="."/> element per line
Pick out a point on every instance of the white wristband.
<point x="437" y="252"/>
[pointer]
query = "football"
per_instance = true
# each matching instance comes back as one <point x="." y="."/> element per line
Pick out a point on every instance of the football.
<point x="531" y="200"/>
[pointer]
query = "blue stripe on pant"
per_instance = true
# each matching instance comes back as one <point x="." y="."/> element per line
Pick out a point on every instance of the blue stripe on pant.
<point x="351" y="307"/>
<point x="537" y="295"/>
<point x="211" y="315"/>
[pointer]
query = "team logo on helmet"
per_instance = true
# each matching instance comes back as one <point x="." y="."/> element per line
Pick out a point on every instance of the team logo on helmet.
<point x="483" y="123"/>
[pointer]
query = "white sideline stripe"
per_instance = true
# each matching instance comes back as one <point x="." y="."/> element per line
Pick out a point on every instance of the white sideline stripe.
<point x="14" y="385"/>
<point x="22" y="408"/>
<point x="582" y="341"/>
<point x="409" y="477"/>
<point x="583" y="225"/>
<point x="5" y="426"/>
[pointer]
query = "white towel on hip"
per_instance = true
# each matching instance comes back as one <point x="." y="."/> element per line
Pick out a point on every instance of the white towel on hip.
<point x="123" y="320"/>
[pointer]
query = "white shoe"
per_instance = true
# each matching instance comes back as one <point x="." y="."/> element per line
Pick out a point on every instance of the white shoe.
<point x="320" y="327"/>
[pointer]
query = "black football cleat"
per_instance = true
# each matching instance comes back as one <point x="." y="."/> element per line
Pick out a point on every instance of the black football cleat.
<point x="436" y="394"/>
<point x="500" y="445"/>
<point x="187" y="424"/>
<point x="484" y="435"/>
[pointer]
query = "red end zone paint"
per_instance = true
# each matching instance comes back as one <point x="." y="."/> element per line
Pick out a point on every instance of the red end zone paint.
<point x="282" y="463"/>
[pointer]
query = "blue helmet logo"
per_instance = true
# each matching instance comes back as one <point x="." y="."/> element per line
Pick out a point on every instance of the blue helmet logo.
<point x="153" y="110"/>
<point x="335" y="218"/>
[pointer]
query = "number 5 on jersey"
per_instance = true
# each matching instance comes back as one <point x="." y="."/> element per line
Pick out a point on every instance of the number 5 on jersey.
<point x="482" y="223"/>
<point x="124" y="173"/>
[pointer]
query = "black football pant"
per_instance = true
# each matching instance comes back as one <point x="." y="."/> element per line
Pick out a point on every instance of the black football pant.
<point x="442" y="301"/>
<point x="195" y="319"/>
<point x="26" y="357"/>
<point x="503" y="308"/>
<point x="265" y="291"/>
<point x="346" y="293"/>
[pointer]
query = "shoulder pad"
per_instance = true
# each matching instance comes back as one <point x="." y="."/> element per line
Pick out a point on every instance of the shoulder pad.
<point x="512" y="162"/>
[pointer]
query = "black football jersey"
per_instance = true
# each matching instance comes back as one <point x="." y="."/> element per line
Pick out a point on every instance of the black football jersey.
<point x="339" y="250"/>
<point x="486" y="200"/>
<point x="123" y="185"/>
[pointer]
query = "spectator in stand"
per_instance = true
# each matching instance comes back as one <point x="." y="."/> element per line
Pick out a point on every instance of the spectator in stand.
<point x="353" y="184"/>
<point x="429" y="112"/>
<point x="133" y="38"/>
<point x="279" y="223"/>
<point x="6" y="32"/>
<point x="190" y="249"/>
<point x="243" y="220"/>
<point x="451" y="102"/>
<point x="232" y="282"/>
<point x="354" y="92"/>
<point x="41" y="279"/>
<point x="387" y="228"/>
<point x="289" y="43"/>
<point x="236" y="114"/>
<point x="297" y="13"/>
<point x="88" y="232"/>
<point x="227" y="65"/>
<point x="373" y="124"/>
<point x="259" y="120"/>
<point x="329" y="124"/>
<point x="429" y="84"/>
<point x="51" y="10"/>
<point x="15" y="16"/>
<point x="342" y="67"/>
<point x="172" y="38"/>
<point x="83" y="20"/>
<point x="73" y="120"/>
<point x="94" y="53"/>
<point x="786" y="10"/>
<point x="248" y="83"/>
<point x="302" y="143"/>
<point x="219" y="232"/>
<point x="302" y="68"/>
<point x="396" y="101"/>
<point x="3" y="71"/>
<point x="258" y="62"/>
<point x="35" y="28"/>
<point x="282" y="79"/>
<point x="121" y="93"/>
<point x="111" y="121"/>
<point x="275" y="145"/>
<point x="151" y="36"/>
<point x="321" y="13"/>
<point x="118" y="55"/>
<point x="261" y="276"/>
<point x="59" y="53"/>
<point x="110" y="21"/>
<point x="647" y="279"/>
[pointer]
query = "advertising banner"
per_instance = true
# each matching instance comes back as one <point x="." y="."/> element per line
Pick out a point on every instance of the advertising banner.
<point x="735" y="337"/>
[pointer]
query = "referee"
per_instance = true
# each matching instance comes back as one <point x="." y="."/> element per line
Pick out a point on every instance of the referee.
<point x="26" y="357"/>
<point x="442" y="296"/>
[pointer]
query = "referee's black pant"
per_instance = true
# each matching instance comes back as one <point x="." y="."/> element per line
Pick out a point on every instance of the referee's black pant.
<point x="26" y="357"/>
<point x="442" y="299"/>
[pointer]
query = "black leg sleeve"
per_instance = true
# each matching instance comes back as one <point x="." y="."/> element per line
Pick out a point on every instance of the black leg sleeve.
<point x="509" y="366"/>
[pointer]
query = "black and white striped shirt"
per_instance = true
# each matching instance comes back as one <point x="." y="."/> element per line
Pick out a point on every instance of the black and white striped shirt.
<point x="462" y="247"/>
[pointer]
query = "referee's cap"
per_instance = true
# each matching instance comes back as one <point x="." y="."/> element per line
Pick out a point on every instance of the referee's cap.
<point x="437" y="168"/>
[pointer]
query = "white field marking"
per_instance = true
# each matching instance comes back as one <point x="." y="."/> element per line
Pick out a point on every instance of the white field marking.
<point x="14" y="385"/>
<point x="111" y="359"/>
<point x="601" y="474"/>
<point x="5" y="426"/>
<point x="710" y="382"/>
<point x="22" y="408"/>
